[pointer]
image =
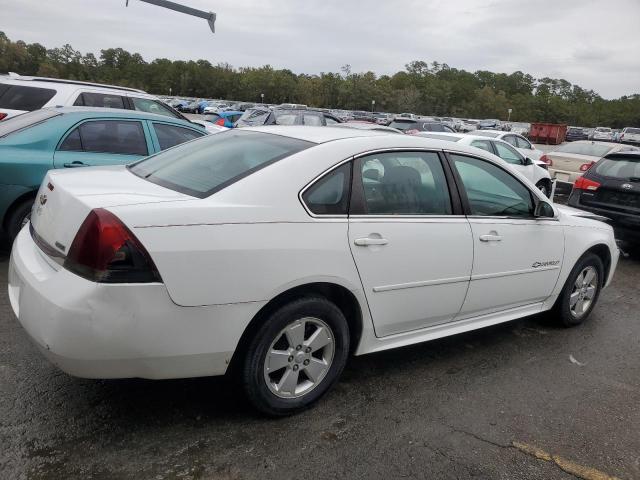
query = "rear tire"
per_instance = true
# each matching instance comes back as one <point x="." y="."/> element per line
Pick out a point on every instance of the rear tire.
<point x="296" y="356"/>
<point x="580" y="292"/>
<point x="19" y="217"/>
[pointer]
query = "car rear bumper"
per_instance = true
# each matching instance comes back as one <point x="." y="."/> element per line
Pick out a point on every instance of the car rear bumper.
<point x="118" y="330"/>
<point x="626" y="227"/>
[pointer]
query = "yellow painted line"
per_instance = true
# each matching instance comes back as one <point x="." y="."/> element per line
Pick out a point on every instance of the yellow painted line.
<point x="580" y="471"/>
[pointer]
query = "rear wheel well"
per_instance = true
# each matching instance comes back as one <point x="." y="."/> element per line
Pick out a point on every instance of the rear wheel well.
<point x="339" y="295"/>
<point x="602" y="251"/>
<point x="18" y="201"/>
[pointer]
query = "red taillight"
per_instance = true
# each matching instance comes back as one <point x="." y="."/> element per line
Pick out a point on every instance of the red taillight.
<point x="586" y="184"/>
<point x="546" y="160"/>
<point x="3" y="115"/>
<point x="586" y="166"/>
<point x="220" y="122"/>
<point x="104" y="250"/>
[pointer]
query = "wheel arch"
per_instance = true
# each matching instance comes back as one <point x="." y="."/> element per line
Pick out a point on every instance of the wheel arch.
<point x="602" y="251"/>
<point x="7" y="214"/>
<point x="341" y="296"/>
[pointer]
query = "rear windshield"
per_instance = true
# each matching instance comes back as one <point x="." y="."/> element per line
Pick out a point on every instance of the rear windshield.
<point x="403" y="125"/>
<point x="603" y="129"/>
<point x="26" y="120"/>
<point x="203" y="167"/>
<point x="486" y="133"/>
<point x="632" y="130"/>
<point x="591" y="149"/>
<point x="617" y="168"/>
<point x="20" y="97"/>
<point x="253" y="117"/>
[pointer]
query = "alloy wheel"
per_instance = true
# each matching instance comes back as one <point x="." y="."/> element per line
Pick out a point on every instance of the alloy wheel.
<point x="299" y="357"/>
<point x="584" y="291"/>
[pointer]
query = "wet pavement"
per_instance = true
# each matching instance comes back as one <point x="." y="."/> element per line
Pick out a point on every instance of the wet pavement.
<point x="523" y="400"/>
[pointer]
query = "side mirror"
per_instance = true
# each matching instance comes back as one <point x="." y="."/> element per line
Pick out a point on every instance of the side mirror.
<point x="543" y="210"/>
<point x="528" y="161"/>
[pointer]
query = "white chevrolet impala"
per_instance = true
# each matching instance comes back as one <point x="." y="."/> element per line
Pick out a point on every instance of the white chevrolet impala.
<point x="275" y="252"/>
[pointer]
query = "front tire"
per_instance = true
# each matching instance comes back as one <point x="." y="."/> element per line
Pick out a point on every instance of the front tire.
<point x="296" y="356"/>
<point x="581" y="291"/>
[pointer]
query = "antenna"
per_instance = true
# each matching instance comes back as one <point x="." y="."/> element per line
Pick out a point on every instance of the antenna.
<point x="210" y="17"/>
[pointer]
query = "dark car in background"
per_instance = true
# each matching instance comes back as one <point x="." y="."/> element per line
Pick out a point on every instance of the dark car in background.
<point x="410" y="126"/>
<point x="576" y="133"/>
<point x="489" y="124"/>
<point x="611" y="188"/>
<point x="280" y="116"/>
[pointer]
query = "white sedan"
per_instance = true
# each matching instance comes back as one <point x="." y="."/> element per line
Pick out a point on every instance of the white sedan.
<point x="537" y="171"/>
<point x="275" y="252"/>
<point x="524" y="146"/>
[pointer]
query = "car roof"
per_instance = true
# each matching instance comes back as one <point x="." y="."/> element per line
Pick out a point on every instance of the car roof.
<point x="96" y="112"/>
<point x="48" y="82"/>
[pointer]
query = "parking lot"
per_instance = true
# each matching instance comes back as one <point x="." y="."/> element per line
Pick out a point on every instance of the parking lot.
<point x="521" y="400"/>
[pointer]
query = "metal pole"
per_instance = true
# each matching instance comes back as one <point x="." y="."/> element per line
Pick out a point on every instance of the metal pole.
<point x="210" y="17"/>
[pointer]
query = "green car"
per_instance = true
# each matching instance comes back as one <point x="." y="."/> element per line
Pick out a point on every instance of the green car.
<point x="73" y="137"/>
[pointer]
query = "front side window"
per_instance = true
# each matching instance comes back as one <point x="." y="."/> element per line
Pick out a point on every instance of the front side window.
<point x="330" y="194"/>
<point x="491" y="191"/>
<point x="172" y="135"/>
<point x="152" y="106"/>
<point x="124" y="137"/>
<point x="202" y="168"/>
<point x="20" y="97"/>
<point x="508" y="153"/>
<point x="404" y="183"/>
<point x="106" y="100"/>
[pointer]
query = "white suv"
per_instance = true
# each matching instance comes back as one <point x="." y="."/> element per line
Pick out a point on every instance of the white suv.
<point x="19" y="94"/>
<point x="630" y="135"/>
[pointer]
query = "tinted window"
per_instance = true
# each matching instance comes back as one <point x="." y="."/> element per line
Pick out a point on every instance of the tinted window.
<point x="107" y="100"/>
<point x="19" y="97"/>
<point x="113" y="136"/>
<point x="26" y="120"/>
<point x="330" y="194"/>
<point x="483" y="144"/>
<point x="410" y="183"/>
<point x="152" y="106"/>
<point x="72" y="142"/>
<point x="619" y="168"/>
<point x="508" y="153"/>
<point x="202" y="168"/>
<point x="400" y="125"/>
<point x="171" y="135"/>
<point x="492" y="191"/>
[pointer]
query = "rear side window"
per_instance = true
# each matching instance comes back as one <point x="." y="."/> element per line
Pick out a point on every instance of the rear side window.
<point x="172" y="135"/>
<point x="107" y="136"/>
<point x="286" y="118"/>
<point x="19" y="97"/>
<point x="313" y="120"/>
<point x="483" y="144"/>
<point x="106" y="100"/>
<point x="330" y="194"/>
<point x="254" y="117"/>
<point x="202" y="168"/>
<point x="26" y="120"/>
<point x="152" y="106"/>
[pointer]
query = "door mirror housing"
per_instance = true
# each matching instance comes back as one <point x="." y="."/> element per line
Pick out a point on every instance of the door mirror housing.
<point x="528" y="161"/>
<point x="543" y="210"/>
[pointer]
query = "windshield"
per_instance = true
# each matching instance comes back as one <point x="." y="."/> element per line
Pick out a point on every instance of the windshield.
<point x="591" y="149"/>
<point x="202" y="167"/>
<point x="603" y="129"/>
<point x="635" y="131"/>
<point x="26" y="120"/>
<point x="623" y="169"/>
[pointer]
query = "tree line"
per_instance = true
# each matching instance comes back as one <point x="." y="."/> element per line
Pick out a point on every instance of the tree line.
<point x="423" y="88"/>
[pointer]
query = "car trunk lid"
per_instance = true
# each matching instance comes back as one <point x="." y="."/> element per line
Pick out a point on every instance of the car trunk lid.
<point x="65" y="198"/>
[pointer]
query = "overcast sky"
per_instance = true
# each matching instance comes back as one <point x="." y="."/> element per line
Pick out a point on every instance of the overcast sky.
<point x="592" y="43"/>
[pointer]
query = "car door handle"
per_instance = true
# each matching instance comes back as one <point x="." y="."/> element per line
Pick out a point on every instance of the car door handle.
<point x="490" y="238"/>
<point x="75" y="164"/>
<point x="365" y="242"/>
